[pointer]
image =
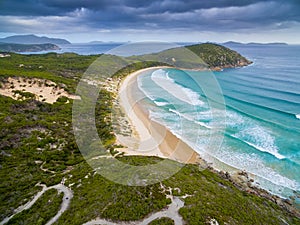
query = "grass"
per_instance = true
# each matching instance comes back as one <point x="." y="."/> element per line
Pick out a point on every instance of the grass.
<point x="215" y="198"/>
<point x="96" y="196"/>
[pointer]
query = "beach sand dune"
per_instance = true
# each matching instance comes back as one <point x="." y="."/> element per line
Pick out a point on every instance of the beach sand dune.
<point x="41" y="89"/>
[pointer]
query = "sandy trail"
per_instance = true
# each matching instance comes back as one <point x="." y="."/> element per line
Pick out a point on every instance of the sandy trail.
<point x="68" y="195"/>
<point x="171" y="212"/>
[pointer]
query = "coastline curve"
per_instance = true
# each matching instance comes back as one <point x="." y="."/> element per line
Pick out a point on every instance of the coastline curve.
<point x="84" y="125"/>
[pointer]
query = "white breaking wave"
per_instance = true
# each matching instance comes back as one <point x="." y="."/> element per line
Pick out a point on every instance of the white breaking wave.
<point x="252" y="134"/>
<point x="160" y="103"/>
<point x="190" y="119"/>
<point x="254" y="165"/>
<point x="260" y="139"/>
<point x="140" y="86"/>
<point x="298" y="116"/>
<point x="250" y="162"/>
<point x="271" y="151"/>
<point x="161" y="78"/>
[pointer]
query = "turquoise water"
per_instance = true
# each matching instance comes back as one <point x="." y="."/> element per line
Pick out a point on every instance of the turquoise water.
<point x="261" y="124"/>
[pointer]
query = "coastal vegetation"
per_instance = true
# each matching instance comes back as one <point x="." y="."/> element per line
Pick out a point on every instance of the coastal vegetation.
<point x="162" y="221"/>
<point x="65" y="69"/>
<point x="38" y="146"/>
<point x="42" y="211"/>
<point x="218" y="56"/>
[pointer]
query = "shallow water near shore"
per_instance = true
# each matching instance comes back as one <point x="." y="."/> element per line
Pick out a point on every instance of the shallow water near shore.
<point x="262" y="132"/>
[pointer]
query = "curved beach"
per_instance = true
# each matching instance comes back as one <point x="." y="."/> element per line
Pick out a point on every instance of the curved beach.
<point x="151" y="138"/>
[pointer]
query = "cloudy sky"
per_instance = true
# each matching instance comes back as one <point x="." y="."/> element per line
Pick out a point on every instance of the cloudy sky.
<point x="160" y="20"/>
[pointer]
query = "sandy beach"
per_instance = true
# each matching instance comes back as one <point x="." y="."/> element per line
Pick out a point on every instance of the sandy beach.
<point x="151" y="138"/>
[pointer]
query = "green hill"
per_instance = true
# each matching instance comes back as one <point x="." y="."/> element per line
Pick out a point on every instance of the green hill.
<point x="219" y="56"/>
<point x="199" y="56"/>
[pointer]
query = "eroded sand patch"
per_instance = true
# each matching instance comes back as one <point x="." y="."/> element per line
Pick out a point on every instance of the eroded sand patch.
<point x="20" y="88"/>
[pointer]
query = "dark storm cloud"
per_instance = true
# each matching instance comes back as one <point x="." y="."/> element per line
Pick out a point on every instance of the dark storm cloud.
<point x="57" y="7"/>
<point x="223" y="15"/>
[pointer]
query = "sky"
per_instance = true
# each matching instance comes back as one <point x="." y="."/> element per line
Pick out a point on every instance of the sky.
<point x="156" y="20"/>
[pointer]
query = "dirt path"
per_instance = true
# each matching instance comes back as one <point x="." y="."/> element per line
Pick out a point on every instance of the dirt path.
<point x="68" y="195"/>
<point x="171" y="211"/>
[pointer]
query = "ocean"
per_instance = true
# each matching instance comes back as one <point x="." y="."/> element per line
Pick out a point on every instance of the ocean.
<point x="81" y="49"/>
<point x="260" y="126"/>
<point x="112" y="48"/>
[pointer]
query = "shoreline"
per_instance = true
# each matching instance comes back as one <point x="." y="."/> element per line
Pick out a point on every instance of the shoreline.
<point x="150" y="135"/>
<point x="161" y="142"/>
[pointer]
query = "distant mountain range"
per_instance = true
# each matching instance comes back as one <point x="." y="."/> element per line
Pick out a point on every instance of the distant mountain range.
<point x="33" y="39"/>
<point x="95" y="42"/>
<point x="233" y="43"/>
<point x="11" y="47"/>
<point x="104" y="42"/>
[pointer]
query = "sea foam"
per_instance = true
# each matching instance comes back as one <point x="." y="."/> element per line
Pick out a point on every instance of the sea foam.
<point x="189" y="118"/>
<point x="141" y="87"/>
<point x="258" y="138"/>
<point x="160" y="103"/>
<point x="271" y="151"/>
<point x="254" y="165"/>
<point x="161" y="78"/>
